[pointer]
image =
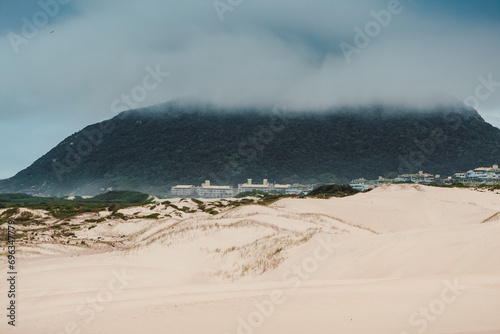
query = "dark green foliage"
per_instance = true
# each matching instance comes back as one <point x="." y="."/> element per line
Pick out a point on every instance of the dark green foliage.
<point x="100" y="220"/>
<point x="130" y="197"/>
<point x="271" y="198"/>
<point x="14" y="197"/>
<point x="211" y="211"/>
<point x="68" y="210"/>
<point x="151" y="216"/>
<point x="490" y="187"/>
<point x="64" y="209"/>
<point x="24" y="198"/>
<point x="10" y="212"/>
<point x="124" y="197"/>
<point x="24" y="217"/>
<point x="118" y="215"/>
<point x="152" y="149"/>
<point x="188" y="210"/>
<point x="197" y="201"/>
<point x="201" y="205"/>
<point x="244" y="201"/>
<point x="333" y="190"/>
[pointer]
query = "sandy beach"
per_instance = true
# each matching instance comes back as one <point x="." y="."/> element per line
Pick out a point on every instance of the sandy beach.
<point x="400" y="259"/>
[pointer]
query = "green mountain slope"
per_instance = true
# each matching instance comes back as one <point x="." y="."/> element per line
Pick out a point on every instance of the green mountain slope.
<point x="152" y="149"/>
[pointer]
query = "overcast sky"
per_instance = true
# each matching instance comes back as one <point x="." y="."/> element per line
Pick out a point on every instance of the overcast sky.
<point x="69" y="65"/>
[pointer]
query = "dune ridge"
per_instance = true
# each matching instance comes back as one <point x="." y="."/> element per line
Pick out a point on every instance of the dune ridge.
<point x="399" y="259"/>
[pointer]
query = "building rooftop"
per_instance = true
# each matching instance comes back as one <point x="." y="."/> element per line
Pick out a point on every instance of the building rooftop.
<point x="207" y="185"/>
<point x="254" y="185"/>
<point x="249" y="184"/>
<point x="217" y="187"/>
<point x="182" y="187"/>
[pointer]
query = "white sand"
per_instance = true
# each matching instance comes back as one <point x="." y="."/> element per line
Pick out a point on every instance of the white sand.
<point x="399" y="259"/>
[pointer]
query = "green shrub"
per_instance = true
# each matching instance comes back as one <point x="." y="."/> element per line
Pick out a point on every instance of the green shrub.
<point x="118" y="215"/>
<point x="151" y="216"/>
<point x="25" y="216"/>
<point x="333" y="190"/>
<point x="10" y="212"/>
<point x="129" y="197"/>
<point x="100" y="220"/>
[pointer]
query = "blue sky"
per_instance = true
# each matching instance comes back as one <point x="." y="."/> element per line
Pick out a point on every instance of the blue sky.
<point x="86" y="54"/>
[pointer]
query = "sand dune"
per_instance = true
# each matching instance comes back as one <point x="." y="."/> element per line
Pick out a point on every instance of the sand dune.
<point x="399" y="259"/>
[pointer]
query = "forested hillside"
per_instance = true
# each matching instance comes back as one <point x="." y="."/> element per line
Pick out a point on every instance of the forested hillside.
<point x="152" y="149"/>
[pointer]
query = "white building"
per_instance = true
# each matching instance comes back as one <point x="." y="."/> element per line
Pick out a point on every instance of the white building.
<point x="362" y="184"/>
<point x="183" y="190"/>
<point x="281" y="188"/>
<point x="249" y="186"/>
<point x="208" y="191"/>
<point x="297" y="189"/>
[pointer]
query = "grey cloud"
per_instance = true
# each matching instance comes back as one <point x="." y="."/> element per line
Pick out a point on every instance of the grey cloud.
<point x="283" y="52"/>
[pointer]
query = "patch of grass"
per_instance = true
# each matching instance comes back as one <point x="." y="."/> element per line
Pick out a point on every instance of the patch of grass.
<point x="333" y="190"/>
<point x="100" y="220"/>
<point x="25" y="216"/>
<point x="490" y="187"/>
<point x="212" y="211"/>
<point x="151" y="216"/>
<point x="270" y="198"/>
<point x="62" y="208"/>
<point x="10" y="212"/>
<point x="69" y="210"/>
<point x="201" y="205"/>
<point x="129" y="197"/>
<point x="118" y="215"/>
<point x="187" y="210"/>
<point x="24" y="198"/>
<point x="197" y="201"/>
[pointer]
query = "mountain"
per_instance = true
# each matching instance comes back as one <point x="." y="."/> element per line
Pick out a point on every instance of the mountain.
<point x="154" y="148"/>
